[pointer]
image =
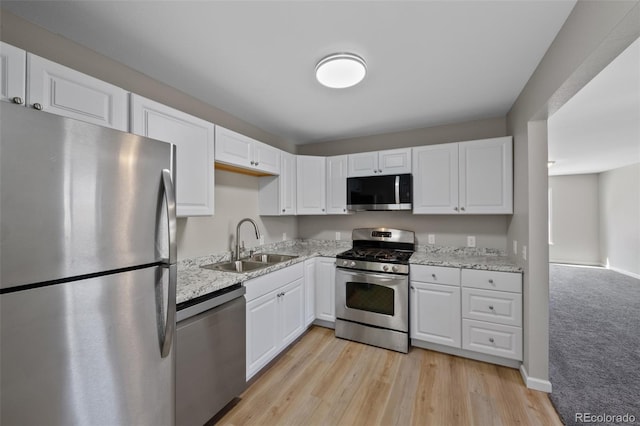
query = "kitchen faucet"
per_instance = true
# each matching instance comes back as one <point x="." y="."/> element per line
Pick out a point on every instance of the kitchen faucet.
<point x="255" y="226"/>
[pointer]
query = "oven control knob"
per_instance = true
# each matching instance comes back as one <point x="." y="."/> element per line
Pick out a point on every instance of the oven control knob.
<point x="345" y="262"/>
<point x="352" y="263"/>
<point x="394" y="268"/>
<point x="385" y="268"/>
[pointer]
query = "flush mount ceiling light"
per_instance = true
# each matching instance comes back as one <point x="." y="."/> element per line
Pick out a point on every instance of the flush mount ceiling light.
<point x="341" y="70"/>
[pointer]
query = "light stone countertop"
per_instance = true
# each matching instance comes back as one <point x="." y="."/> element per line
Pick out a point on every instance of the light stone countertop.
<point x="194" y="281"/>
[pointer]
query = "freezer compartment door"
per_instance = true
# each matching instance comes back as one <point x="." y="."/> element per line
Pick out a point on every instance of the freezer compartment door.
<point x="77" y="198"/>
<point x="88" y="352"/>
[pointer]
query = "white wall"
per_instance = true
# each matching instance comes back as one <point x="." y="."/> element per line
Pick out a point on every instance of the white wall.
<point x="620" y="219"/>
<point x="575" y="221"/>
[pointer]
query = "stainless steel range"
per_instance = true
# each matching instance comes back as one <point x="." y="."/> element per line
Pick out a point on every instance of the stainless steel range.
<point x="372" y="288"/>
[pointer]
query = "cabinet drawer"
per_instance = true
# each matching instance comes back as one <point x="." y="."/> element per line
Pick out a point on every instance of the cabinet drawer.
<point x="493" y="339"/>
<point x="435" y="274"/>
<point x="264" y="284"/>
<point x="492" y="280"/>
<point x="493" y="306"/>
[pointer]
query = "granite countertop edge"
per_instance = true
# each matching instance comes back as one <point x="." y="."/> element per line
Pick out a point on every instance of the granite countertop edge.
<point x="194" y="281"/>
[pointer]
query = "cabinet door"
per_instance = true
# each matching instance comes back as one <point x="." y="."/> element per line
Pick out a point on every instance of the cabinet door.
<point x="435" y="313"/>
<point x="266" y="158"/>
<point x="435" y="179"/>
<point x="263" y="339"/>
<point x="325" y="289"/>
<point x="394" y="161"/>
<point x="193" y="138"/>
<point x="291" y="311"/>
<point x="309" y="290"/>
<point x="288" y="184"/>
<point x="311" y="190"/>
<point x="63" y="91"/>
<point x="363" y="164"/>
<point x="337" y="184"/>
<point x="233" y="148"/>
<point x="486" y="176"/>
<point x="13" y="72"/>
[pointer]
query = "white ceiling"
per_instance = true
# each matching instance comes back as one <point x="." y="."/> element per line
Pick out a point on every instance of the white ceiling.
<point x="599" y="128"/>
<point x="430" y="62"/>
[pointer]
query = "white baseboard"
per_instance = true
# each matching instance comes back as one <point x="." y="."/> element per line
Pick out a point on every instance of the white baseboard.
<point x="533" y="383"/>
<point x="575" y="263"/>
<point x="627" y="273"/>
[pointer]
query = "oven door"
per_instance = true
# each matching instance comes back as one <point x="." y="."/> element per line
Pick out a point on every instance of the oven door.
<point x="380" y="300"/>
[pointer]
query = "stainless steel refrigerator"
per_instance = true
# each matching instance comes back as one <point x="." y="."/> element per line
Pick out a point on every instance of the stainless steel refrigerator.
<point x="88" y="274"/>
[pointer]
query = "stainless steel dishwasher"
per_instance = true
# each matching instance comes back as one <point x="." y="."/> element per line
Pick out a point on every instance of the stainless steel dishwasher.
<point x="210" y="355"/>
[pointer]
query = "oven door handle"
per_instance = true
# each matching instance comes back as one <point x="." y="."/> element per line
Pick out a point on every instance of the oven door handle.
<point x="369" y="275"/>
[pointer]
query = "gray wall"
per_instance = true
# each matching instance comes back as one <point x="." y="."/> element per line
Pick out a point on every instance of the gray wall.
<point x="196" y="235"/>
<point x="594" y="33"/>
<point x="620" y="219"/>
<point x="575" y="219"/>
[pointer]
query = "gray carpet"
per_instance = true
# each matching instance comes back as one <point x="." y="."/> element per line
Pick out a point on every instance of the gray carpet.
<point x="594" y="343"/>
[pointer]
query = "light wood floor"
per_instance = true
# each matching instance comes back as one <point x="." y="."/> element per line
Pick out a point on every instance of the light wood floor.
<point x="328" y="381"/>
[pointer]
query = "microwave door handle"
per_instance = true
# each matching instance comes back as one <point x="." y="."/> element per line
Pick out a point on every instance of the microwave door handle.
<point x="397" y="189"/>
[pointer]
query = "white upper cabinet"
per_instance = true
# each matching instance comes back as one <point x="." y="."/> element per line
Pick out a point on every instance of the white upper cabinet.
<point x="435" y="179"/>
<point x="337" y="184"/>
<point x="486" y="176"/>
<point x="235" y="149"/>
<point x="59" y="90"/>
<point x="277" y="194"/>
<point x="13" y="71"/>
<point x="474" y="177"/>
<point x="389" y="162"/>
<point x="311" y="185"/>
<point x="193" y="138"/>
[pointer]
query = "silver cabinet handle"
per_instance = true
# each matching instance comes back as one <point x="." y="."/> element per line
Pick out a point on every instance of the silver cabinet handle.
<point x="491" y="307"/>
<point x="344" y="210"/>
<point x="491" y="339"/>
<point x="282" y="210"/>
<point x="462" y="208"/>
<point x="490" y="281"/>
<point x="413" y="288"/>
<point x="17" y="100"/>
<point x="375" y="171"/>
<point x="379" y="170"/>
<point x="38" y="106"/>
<point x="434" y="276"/>
<point x="253" y="162"/>
<point x="256" y="163"/>
<point x="455" y="208"/>
<point x="322" y="209"/>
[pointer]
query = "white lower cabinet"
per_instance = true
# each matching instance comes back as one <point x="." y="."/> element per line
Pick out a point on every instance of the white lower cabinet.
<point x="435" y="308"/>
<point x="325" y="287"/>
<point x="492" y="313"/>
<point x="275" y="314"/>
<point x="470" y="310"/>
<point x="309" y="291"/>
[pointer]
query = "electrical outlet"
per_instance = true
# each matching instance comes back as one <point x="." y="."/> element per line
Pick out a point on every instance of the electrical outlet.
<point x="337" y="235"/>
<point x="284" y="236"/>
<point x="515" y="247"/>
<point x="261" y="240"/>
<point x="431" y="238"/>
<point x="471" y="241"/>
<point x="524" y="252"/>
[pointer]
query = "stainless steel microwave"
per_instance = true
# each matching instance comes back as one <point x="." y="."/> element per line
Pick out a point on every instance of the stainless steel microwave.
<point x="390" y="192"/>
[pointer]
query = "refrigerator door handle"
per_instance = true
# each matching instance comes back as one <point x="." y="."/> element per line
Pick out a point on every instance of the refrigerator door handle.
<point x="170" y="200"/>
<point x="170" y="324"/>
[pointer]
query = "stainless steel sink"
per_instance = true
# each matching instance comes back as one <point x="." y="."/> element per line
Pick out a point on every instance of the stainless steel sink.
<point x="237" y="266"/>
<point x="271" y="257"/>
